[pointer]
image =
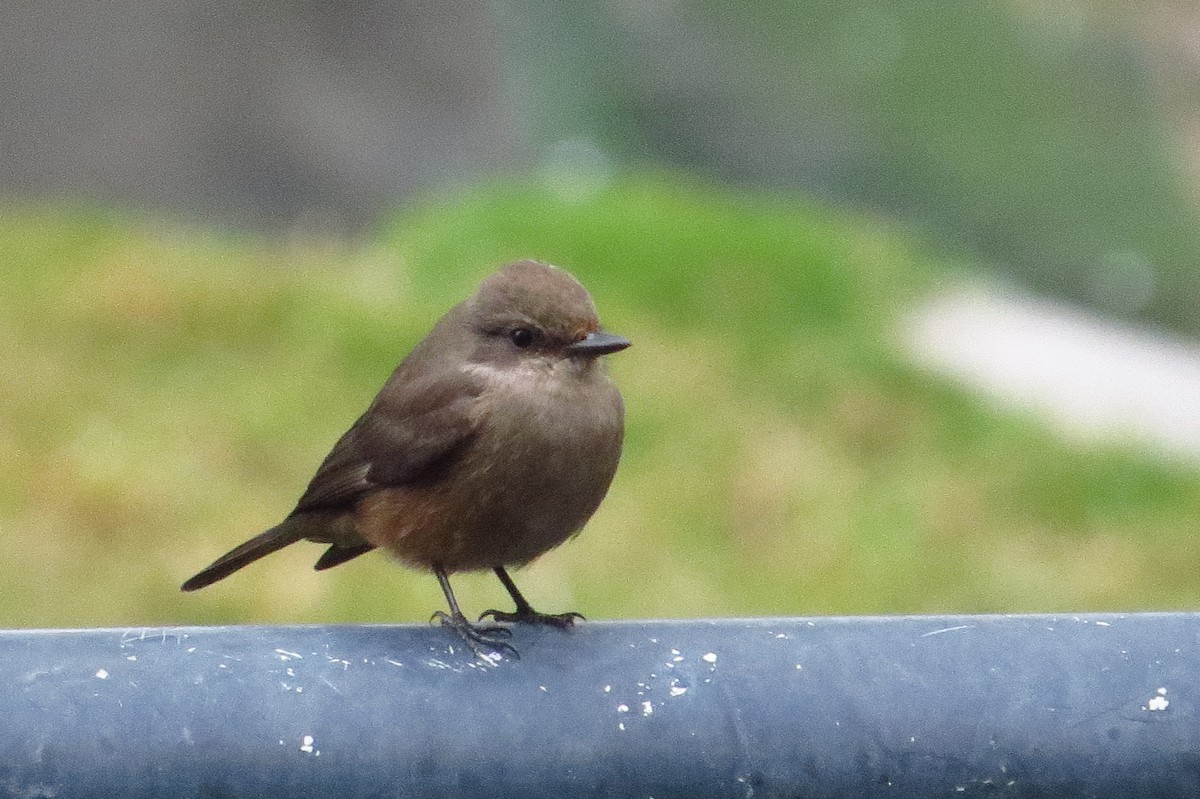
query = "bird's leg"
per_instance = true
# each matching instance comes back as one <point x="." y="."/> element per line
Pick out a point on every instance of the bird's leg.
<point x="478" y="637"/>
<point x="525" y="614"/>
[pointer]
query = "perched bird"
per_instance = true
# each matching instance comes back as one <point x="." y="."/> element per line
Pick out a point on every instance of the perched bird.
<point x="492" y="442"/>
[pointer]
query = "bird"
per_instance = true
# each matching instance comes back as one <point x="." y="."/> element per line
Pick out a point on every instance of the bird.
<point x="493" y="441"/>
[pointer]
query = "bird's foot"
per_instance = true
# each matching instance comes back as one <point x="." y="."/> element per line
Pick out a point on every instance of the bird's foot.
<point x="484" y="640"/>
<point x="528" y="615"/>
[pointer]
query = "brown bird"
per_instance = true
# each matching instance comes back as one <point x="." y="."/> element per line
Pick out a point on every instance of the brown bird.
<point x="492" y="442"/>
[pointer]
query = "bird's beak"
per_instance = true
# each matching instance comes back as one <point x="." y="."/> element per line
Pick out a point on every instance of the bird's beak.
<point x="597" y="344"/>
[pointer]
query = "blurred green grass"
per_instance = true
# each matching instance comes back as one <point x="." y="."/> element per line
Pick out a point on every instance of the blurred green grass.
<point x="168" y="392"/>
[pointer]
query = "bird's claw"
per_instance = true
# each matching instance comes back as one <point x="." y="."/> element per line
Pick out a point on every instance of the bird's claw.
<point x="484" y="640"/>
<point x="562" y="621"/>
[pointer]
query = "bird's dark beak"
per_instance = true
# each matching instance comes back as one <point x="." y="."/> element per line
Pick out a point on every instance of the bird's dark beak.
<point x="597" y="344"/>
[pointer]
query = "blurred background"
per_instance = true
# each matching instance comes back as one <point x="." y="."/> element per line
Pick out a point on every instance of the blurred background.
<point x="914" y="290"/>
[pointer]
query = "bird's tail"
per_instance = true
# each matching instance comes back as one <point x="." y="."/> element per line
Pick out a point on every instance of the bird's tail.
<point x="263" y="544"/>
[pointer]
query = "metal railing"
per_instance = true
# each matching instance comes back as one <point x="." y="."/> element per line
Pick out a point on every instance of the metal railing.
<point x="955" y="706"/>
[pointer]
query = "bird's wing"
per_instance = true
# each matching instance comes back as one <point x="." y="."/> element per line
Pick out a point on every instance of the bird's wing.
<point x="411" y="432"/>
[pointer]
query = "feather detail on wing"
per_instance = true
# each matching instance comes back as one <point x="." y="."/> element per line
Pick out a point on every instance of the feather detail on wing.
<point x="411" y="432"/>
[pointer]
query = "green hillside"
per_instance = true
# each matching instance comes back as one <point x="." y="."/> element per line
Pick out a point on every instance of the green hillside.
<point x="169" y="391"/>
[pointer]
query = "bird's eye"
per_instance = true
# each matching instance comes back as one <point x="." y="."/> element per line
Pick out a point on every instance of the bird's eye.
<point x="521" y="337"/>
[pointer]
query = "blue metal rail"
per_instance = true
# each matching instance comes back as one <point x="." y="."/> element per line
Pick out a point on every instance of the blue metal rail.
<point x="955" y="706"/>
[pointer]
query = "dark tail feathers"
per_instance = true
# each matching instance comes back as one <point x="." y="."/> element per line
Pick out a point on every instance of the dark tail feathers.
<point x="261" y="545"/>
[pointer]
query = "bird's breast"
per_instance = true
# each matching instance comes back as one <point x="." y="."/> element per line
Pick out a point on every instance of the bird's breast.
<point x="546" y="447"/>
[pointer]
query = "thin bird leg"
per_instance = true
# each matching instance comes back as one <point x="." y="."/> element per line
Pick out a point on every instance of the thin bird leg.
<point x="525" y="614"/>
<point x="478" y="637"/>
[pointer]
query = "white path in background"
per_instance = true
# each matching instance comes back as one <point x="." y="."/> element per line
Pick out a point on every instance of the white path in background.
<point x="1089" y="375"/>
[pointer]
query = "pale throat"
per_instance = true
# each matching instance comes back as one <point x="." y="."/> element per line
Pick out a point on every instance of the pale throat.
<point x="540" y="375"/>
